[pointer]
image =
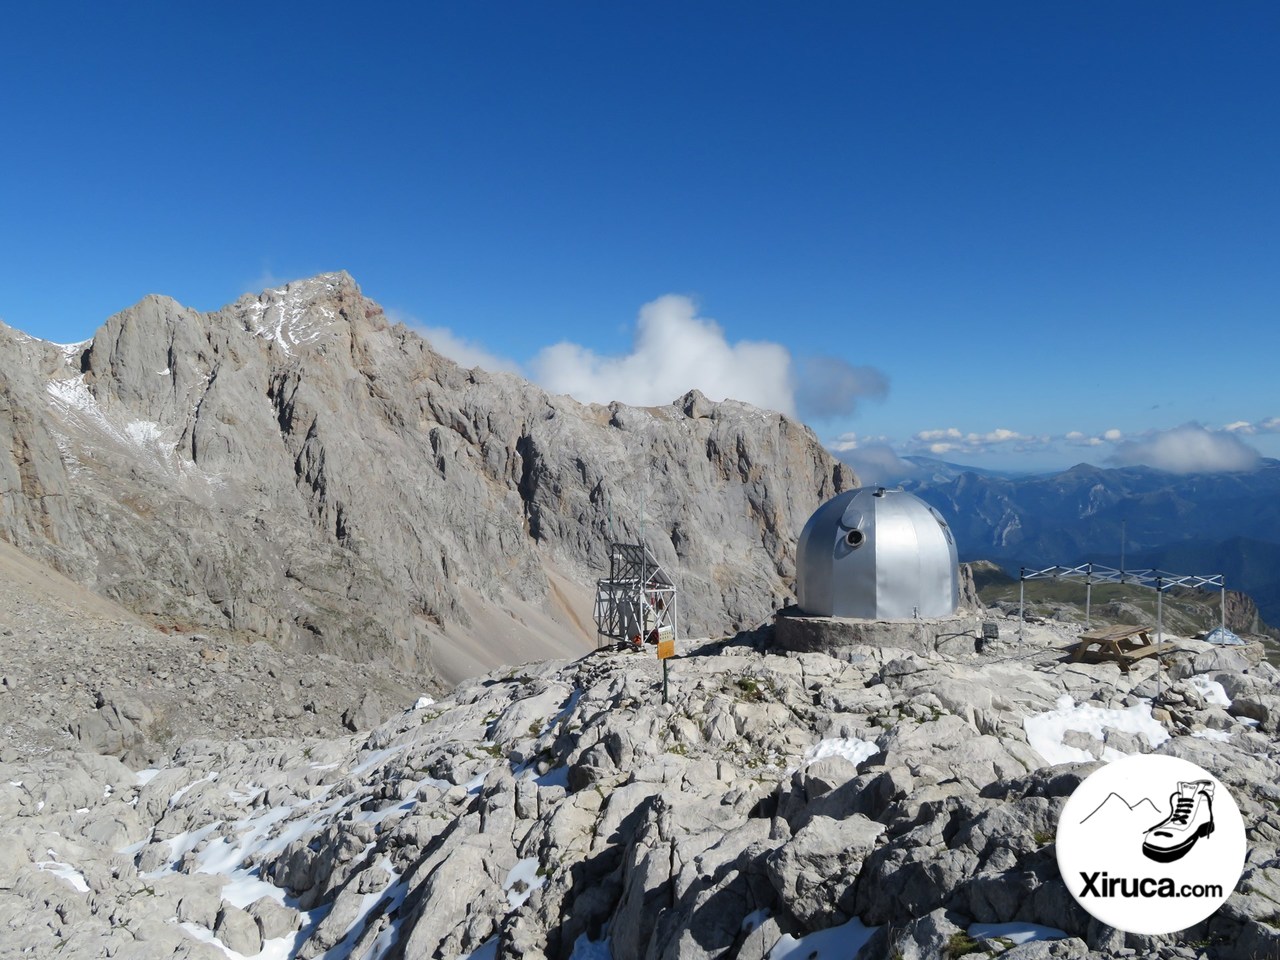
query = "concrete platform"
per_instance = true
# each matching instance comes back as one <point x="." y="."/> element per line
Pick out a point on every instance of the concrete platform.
<point x="840" y="636"/>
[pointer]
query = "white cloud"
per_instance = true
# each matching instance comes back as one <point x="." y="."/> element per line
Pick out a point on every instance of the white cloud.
<point x="951" y="440"/>
<point x="266" y="279"/>
<point x="464" y="352"/>
<point x="844" y="443"/>
<point x="1113" y="435"/>
<point x="1077" y="439"/>
<point x="996" y="436"/>
<point x="876" y="463"/>
<point x="1269" y="425"/>
<point x="1189" y="448"/>
<point x="673" y="350"/>
<point x="950" y="433"/>
<point x="852" y="441"/>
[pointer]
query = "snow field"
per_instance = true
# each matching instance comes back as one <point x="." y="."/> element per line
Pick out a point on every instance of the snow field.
<point x="1045" y="730"/>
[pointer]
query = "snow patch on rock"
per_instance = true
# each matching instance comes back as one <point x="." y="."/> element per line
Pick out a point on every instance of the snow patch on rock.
<point x="852" y="749"/>
<point x="1017" y="932"/>
<point x="1045" y="730"/>
<point x="834" y="943"/>
<point x="1211" y="690"/>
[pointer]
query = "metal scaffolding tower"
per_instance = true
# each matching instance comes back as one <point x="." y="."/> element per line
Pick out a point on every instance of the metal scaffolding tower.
<point x="637" y="602"/>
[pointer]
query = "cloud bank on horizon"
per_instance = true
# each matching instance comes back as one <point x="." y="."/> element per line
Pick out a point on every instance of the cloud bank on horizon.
<point x="1189" y="448"/>
<point x="674" y="350"/>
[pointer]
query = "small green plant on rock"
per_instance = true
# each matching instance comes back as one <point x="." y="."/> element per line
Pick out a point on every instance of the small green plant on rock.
<point x="1042" y="838"/>
<point x="961" y="945"/>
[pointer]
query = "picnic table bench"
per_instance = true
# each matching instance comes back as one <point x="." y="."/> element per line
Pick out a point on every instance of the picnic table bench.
<point x="1122" y="643"/>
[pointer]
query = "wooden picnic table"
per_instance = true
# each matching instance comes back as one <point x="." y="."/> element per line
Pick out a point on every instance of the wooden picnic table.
<point x="1122" y="643"/>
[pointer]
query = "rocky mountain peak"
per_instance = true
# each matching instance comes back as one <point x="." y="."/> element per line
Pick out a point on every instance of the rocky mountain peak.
<point x="297" y="468"/>
<point x="304" y="313"/>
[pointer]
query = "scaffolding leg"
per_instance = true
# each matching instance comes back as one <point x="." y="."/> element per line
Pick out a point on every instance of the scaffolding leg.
<point x="1022" y="601"/>
<point x="664" y="681"/>
<point x="1159" y="640"/>
<point x="1159" y="613"/>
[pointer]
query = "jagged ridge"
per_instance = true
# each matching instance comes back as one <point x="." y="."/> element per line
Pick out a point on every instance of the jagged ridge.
<point x="297" y="467"/>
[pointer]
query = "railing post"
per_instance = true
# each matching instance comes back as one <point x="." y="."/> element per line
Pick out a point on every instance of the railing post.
<point x="1159" y="637"/>
<point x="1022" y="598"/>
<point x="1088" y="596"/>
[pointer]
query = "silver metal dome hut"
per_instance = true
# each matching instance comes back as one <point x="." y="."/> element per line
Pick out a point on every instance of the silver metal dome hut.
<point x="877" y="554"/>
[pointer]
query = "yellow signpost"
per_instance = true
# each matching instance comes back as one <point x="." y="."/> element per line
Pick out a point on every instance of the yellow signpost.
<point x="666" y="650"/>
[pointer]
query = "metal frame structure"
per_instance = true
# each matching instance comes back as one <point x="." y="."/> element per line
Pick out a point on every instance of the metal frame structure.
<point x="1091" y="573"/>
<point x="637" y="601"/>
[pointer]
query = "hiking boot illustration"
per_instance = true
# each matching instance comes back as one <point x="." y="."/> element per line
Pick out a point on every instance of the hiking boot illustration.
<point x="1190" y="818"/>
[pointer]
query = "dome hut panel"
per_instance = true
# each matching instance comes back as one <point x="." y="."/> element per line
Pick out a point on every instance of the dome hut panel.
<point x="877" y="554"/>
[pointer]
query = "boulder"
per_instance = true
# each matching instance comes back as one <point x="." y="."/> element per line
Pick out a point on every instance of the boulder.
<point x="239" y="931"/>
<point x="365" y="714"/>
<point x="814" y="872"/>
<point x="274" y="919"/>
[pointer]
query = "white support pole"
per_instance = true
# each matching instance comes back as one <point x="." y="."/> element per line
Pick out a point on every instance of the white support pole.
<point x="1088" y="597"/>
<point x="1224" y="605"/>
<point x="1022" y="598"/>
<point x="1159" y="637"/>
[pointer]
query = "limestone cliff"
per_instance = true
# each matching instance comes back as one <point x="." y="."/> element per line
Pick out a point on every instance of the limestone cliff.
<point x="295" y="466"/>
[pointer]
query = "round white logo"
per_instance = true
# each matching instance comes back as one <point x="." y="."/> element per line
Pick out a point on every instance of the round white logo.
<point x="1151" y="844"/>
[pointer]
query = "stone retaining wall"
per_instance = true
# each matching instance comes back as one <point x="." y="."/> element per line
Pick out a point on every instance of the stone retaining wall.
<point x="839" y="636"/>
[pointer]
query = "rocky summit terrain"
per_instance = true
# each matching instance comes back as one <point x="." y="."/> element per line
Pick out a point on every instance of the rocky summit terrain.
<point x="79" y="672"/>
<point x="297" y="469"/>
<point x="885" y="804"/>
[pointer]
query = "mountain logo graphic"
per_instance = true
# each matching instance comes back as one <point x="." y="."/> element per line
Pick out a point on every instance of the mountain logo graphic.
<point x="1143" y="863"/>
<point x="1141" y="807"/>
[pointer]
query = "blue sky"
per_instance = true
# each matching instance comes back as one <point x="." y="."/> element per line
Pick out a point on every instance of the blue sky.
<point x="991" y="231"/>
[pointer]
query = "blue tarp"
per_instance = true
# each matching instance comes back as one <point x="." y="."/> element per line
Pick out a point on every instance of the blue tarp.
<point x="1223" y="636"/>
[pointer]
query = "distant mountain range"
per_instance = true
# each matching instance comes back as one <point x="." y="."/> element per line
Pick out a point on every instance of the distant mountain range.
<point x="1199" y="523"/>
